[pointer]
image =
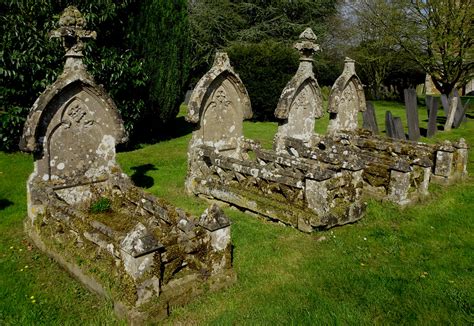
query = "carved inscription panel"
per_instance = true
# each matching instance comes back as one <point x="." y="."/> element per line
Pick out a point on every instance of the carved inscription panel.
<point x="302" y="113"/>
<point x="80" y="144"/>
<point x="222" y="121"/>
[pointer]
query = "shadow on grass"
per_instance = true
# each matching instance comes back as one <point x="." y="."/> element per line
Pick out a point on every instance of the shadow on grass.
<point x="4" y="203"/>
<point x="176" y="128"/>
<point x="139" y="176"/>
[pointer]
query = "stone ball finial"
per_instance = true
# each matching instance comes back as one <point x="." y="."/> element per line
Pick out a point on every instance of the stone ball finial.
<point x="306" y="45"/>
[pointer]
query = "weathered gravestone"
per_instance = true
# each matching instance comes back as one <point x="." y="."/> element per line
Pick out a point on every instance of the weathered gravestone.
<point x="346" y="100"/>
<point x="300" y="102"/>
<point x="145" y="255"/>
<point x="432" y="105"/>
<point x="220" y="167"/>
<point x="460" y="114"/>
<point x="453" y="105"/>
<point x="369" y="119"/>
<point x="412" y="114"/>
<point x="394" y="126"/>
<point x="399" y="131"/>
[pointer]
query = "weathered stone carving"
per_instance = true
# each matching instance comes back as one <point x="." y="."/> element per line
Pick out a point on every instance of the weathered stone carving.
<point x="398" y="171"/>
<point x="321" y="194"/>
<point x="144" y="254"/>
<point x="346" y="100"/>
<point x="300" y="101"/>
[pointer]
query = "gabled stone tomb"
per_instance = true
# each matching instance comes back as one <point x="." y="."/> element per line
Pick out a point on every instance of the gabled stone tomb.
<point x="223" y="165"/>
<point x="144" y="254"/>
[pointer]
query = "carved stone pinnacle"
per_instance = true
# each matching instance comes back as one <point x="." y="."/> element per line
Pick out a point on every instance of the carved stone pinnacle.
<point x="307" y="45"/>
<point x="72" y="31"/>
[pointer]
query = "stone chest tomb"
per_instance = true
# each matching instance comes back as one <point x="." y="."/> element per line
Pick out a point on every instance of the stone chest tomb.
<point x="223" y="165"/>
<point x="144" y="254"/>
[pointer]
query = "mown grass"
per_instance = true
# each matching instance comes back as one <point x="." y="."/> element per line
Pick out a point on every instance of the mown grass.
<point x="396" y="266"/>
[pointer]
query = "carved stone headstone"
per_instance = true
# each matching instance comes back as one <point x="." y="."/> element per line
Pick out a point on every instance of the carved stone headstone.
<point x="74" y="125"/>
<point x="300" y="101"/>
<point x="219" y="103"/>
<point x="369" y="118"/>
<point x="346" y="100"/>
<point x="144" y="255"/>
<point x="412" y="114"/>
<point x="432" y="104"/>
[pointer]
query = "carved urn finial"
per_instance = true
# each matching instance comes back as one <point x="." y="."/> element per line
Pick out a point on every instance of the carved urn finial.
<point x="306" y="45"/>
<point x="72" y="31"/>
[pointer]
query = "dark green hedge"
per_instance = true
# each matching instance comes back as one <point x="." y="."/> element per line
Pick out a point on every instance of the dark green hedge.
<point x="265" y="68"/>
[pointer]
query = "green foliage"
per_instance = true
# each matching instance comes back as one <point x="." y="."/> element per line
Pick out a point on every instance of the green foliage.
<point x="146" y="81"/>
<point x="162" y="38"/>
<point x="265" y="68"/>
<point x="218" y="24"/>
<point x="102" y="205"/>
<point x="11" y="126"/>
<point x="437" y="34"/>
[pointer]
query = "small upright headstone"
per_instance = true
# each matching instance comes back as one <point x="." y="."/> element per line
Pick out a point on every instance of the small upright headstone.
<point x="432" y="105"/>
<point x="369" y="118"/>
<point x="445" y="103"/>
<point x="453" y="104"/>
<point x="399" y="132"/>
<point x="412" y="114"/>
<point x="389" y="126"/>
<point x="300" y="103"/>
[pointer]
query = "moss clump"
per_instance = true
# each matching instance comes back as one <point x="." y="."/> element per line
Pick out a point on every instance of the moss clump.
<point x="102" y="205"/>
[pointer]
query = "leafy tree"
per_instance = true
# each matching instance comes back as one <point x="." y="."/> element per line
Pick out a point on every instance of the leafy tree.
<point x="258" y="34"/>
<point x="145" y="81"/>
<point x="437" y="34"/>
<point x="162" y="39"/>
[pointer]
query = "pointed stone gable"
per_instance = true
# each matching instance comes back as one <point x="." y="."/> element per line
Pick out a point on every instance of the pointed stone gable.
<point x="74" y="125"/>
<point x="219" y="103"/>
<point x="346" y="100"/>
<point x="300" y="101"/>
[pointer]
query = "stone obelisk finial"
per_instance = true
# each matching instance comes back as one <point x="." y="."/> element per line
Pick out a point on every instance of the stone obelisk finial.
<point x="72" y="31"/>
<point x="306" y="45"/>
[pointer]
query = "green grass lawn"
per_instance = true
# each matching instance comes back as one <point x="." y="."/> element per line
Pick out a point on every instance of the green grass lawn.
<point x="395" y="266"/>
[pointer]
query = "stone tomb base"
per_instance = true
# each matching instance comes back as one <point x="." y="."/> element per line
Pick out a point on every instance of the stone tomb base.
<point x="143" y="254"/>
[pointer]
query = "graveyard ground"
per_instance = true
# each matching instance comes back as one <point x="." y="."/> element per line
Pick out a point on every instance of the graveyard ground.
<point x="395" y="266"/>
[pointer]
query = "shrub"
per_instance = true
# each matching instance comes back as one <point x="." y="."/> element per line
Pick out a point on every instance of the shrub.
<point x="265" y="68"/>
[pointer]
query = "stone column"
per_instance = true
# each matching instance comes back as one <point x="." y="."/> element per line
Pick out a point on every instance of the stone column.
<point x="460" y="158"/>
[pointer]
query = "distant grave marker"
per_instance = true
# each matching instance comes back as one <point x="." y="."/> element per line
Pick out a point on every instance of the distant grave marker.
<point x="432" y="105"/>
<point x="369" y="118"/>
<point x="412" y="114"/>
